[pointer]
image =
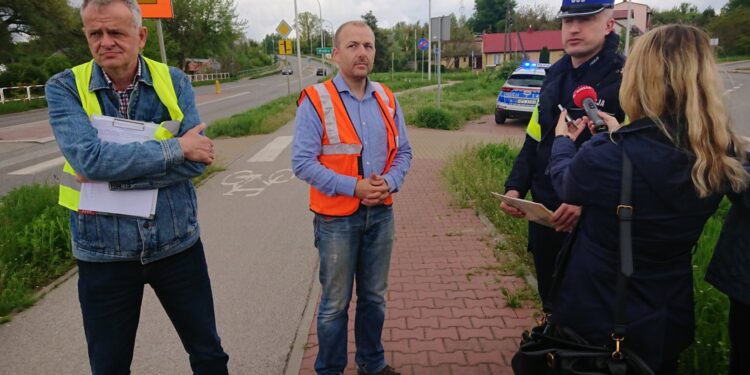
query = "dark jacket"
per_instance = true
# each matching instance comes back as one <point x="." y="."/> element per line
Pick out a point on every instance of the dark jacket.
<point x="603" y="73"/>
<point x="668" y="220"/>
<point x="729" y="270"/>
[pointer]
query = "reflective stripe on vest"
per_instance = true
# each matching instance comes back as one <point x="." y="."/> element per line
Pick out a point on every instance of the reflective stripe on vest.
<point x="69" y="195"/>
<point x="534" y="129"/>
<point x="341" y="146"/>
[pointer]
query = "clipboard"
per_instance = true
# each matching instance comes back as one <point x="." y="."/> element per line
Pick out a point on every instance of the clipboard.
<point x="96" y="196"/>
<point x="533" y="211"/>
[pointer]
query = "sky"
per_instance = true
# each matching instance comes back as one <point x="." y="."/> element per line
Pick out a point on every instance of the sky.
<point x="263" y="15"/>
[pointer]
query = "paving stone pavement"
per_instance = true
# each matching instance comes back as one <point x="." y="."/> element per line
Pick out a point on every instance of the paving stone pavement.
<point x="441" y="318"/>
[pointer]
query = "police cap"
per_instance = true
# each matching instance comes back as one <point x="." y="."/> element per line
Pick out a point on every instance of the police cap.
<point x="580" y="8"/>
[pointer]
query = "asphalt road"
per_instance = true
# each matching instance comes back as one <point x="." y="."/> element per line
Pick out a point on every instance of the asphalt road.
<point x="736" y="77"/>
<point x="28" y="152"/>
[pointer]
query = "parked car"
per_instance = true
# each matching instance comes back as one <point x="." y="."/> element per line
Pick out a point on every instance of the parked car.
<point x="286" y="71"/>
<point x="321" y="72"/>
<point x="520" y="93"/>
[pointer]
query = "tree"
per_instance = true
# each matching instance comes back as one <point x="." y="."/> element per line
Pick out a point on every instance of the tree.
<point x="544" y="55"/>
<point x="537" y="17"/>
<point x="309" y="26"/>
<point x="734" y="4"/>
<point x="23" y="21"/>
<point x="382" y="44"/>
<point x="733" y="30"/>
<point x="204" y="28"/>
<point x="685" y="13"/>
<point x="489" y="15"/>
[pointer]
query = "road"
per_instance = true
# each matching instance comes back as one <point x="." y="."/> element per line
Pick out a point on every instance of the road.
<point x="28" y="152"/>
<point x="736" y="77"/>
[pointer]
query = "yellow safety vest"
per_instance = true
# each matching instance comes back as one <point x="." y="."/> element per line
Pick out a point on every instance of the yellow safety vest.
<point x="534" y="129"/>
<point x="70" y="188"/>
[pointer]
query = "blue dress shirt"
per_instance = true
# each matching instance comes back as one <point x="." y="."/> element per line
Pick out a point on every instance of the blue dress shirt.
<point x="368" y="122"/>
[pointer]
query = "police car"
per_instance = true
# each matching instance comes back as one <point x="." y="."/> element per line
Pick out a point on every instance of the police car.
<point x="519" y="94"/>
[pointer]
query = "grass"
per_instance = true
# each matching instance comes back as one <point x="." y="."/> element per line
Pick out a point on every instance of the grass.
<point x="465" y="101"/>
<point x="261" y="120"/>
<point x="210" y="170"/>
<point x="472" y="175"/>
<point x="732" y="59"/>
<point x="22" y="106"/>
<point x="34" y="245"/>
<point x="408" y="80"/>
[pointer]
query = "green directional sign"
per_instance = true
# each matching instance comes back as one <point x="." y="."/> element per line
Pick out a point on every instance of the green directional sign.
<point x="323" y="51"/>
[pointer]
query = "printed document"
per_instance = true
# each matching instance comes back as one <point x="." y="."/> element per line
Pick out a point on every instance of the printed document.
<point x="96" y="196"/>
<point x="534" y="211"/>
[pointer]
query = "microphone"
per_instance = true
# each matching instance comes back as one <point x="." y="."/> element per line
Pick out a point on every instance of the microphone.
<point x="585" y="97"/>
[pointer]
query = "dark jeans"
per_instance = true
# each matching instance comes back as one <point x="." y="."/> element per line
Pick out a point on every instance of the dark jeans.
<point x="544" y="243"/>
<point x="111" y="295"/>
<point x="739" y="331"/>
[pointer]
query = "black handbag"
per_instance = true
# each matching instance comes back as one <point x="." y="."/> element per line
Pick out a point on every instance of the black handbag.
<point x="552" y="349"/>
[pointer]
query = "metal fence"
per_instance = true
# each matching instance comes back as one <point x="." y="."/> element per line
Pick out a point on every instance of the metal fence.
<point x="207" y="77"/>
<point x="19" y="93"/>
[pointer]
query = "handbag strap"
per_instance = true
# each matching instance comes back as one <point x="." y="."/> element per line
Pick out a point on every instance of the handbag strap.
<point x="625" y="215"/>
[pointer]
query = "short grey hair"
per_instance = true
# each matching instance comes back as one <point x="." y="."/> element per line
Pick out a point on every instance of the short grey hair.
<point x="350" y="23"/>
<point x="135" y="9"/>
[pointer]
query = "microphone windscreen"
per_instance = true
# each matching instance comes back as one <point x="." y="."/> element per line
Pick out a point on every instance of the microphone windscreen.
<point x="583" y="92"/>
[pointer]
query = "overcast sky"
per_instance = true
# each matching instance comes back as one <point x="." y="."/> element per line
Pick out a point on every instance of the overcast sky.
<point x="263" y="15"/>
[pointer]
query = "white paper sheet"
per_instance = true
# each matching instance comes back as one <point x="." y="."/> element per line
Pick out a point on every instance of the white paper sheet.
<point x="96" y="196"/>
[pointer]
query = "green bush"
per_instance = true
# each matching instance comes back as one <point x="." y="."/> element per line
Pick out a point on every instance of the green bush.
<point x="34" y="244"/>
<point x="22" y="74"/>
<point x="436" y="118"/>
<point x="55" y="63"/>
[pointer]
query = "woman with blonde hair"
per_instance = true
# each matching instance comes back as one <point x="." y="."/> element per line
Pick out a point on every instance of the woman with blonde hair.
<point x="681" y="149"/>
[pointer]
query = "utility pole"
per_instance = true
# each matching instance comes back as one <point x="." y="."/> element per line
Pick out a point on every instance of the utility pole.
<point x="429" y="40"/>
<point x="415" y="48"/>
<point x="627" y="33"/>
<point x="299" y="53"/>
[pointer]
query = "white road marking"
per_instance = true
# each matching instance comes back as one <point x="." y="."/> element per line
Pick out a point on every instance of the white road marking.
<point x="29" y="156"/>
<point x="222" y="99"/>
<point x="39" y="167"/>
<point x="272" y="150"/>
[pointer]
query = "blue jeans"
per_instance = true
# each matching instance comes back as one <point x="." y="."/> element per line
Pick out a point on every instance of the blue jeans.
<point x="353" y="248"/>
<point x="111" y="293"/>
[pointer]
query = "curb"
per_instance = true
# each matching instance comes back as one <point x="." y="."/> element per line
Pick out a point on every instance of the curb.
<point x="529" y="278"/>
<point x="297" y="349"/>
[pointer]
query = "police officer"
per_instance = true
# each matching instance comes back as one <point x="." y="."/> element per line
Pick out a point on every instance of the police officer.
<point x="591" y="59"/>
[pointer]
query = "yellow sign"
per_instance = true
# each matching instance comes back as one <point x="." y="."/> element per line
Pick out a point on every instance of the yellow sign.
<point x="284" y="29"/>
<point x="156" y="8"/>
<point x="285" y="47"/>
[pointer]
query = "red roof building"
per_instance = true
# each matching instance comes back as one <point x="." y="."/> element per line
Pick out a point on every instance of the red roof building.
<point x="532" y="42"/>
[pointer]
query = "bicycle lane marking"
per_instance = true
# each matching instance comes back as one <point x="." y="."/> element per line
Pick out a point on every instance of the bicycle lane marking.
<point x="249" y="183"/>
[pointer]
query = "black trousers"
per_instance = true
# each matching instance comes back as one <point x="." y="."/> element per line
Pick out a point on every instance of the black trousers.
<point x="739" y="331"/>
<point x="545" y="243"/>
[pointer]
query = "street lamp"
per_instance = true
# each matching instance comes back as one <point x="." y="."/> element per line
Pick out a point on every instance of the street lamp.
<point x="320" y="11"/>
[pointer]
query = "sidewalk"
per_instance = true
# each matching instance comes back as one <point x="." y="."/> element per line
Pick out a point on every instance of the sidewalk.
<point x="440" y="319"/>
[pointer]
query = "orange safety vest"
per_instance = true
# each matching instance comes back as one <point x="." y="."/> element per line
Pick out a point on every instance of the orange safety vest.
<point x="342" y="148"/>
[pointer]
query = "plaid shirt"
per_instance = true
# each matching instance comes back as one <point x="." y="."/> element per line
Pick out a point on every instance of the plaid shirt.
<point x="125" y="94"/>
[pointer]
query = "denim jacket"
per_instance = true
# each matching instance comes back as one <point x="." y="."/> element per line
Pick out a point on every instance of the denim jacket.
<point x="147" y="165"/>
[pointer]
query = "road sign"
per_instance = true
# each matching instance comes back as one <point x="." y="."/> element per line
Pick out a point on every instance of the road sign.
<point x="285" y="47"/>
<point x="284" y="29"/>
<point x="441" y="28"/>
<point x="714" y="42"/>
<point x="323" y="51"/>
<point x="156" y="8"/>
<point x="423" y="44"/>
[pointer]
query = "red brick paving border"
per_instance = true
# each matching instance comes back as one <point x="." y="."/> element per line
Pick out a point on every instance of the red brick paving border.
<point x="438" y="319"/>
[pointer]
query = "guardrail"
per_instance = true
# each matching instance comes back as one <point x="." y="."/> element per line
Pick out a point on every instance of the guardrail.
<point x="19" y="93"/>
<point x="207" y="77"/>
<point x="258" y="70"/>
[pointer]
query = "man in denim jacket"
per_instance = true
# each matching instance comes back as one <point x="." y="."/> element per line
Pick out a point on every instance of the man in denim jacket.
<point x="117" y="255"/>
